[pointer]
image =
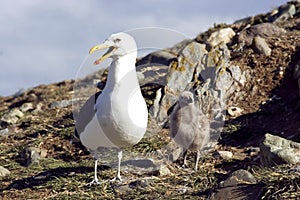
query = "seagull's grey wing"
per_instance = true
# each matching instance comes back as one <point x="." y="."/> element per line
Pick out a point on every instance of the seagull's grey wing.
<point x="85" y="115"/>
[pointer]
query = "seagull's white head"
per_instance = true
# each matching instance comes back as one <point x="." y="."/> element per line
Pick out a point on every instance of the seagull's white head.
<point x="186" y="98"/>
<point x="119" y="44"/>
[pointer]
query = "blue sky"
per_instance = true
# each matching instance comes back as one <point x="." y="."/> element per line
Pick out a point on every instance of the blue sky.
<point x="46" y="41"/>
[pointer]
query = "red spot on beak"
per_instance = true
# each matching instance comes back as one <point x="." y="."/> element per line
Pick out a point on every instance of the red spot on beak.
<point x="97" y="62"/>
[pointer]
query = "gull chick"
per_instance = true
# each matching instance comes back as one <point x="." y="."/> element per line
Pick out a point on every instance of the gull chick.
<point x="189" y="127"/>
<point x="116" y="118"/>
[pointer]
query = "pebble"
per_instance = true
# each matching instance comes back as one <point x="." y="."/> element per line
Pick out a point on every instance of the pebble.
<point x="234" y="111"/>
<point x="139" y="184"/>
<point x="4" y="132"/>
<point x="61" y="104"/>
<point x="4" y="171"/>
<point x="12" y="116"/>
<point x="261" y="46"/>
<point x="26" y="107"/>
<point x="225" y="154"/>
<point x="162" y="170"/>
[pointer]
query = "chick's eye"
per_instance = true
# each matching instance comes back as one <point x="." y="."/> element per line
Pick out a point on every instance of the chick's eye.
<point x="117" y="40"/>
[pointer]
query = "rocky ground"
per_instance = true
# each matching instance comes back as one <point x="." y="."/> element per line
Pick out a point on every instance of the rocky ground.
<point x="37" y="160"/>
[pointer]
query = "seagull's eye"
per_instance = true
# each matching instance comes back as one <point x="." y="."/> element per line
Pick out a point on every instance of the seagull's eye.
<point x="117" y="40"/>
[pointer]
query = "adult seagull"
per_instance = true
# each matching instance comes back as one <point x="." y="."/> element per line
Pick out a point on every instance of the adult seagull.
<point x="117" y="117"/>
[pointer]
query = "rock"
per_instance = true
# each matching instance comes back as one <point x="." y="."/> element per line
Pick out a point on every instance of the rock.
<point x="234" y="111"/>
<point x="284" y="13"/>
<point x="225" y="154"/>
<point x="139" y="184"/>
<point x="4" y="132"/>
<point x="152" y="74"/>
<point x="61" y="104"/>
<point x="142" y="163"/>
<point x="161" y="170"/>
<point x="21" y="92"/>
<point x="239" y="185"/>
<point x="240" y="176"/>
<point x="179" y="78"/>
<point x="32" y="155"/>
<point x="161" y="57"/>
<point x="260" y="45"/>
<point x="38" y="108"/>
<point x="263" y="30"/>
<point x="4" y="172"/>
<point x="26" y="107"/>
<point x="223" y="35"/>
<point x="275" y="150"/>
<point x="12" y="116"/>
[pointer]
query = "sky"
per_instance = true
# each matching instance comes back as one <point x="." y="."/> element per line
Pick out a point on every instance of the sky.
<point x="42" y="42"/>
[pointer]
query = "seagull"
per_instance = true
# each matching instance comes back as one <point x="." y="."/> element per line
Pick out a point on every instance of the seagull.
<point x="189" y="127"/>
<point x="116" y="117"/>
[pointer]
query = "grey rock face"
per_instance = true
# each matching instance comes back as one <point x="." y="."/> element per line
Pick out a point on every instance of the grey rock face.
<point x="275" y="150"/>
<point x="180" y="75"/>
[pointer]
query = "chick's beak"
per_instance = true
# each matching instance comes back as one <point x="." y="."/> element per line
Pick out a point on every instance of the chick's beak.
<point x="110" y="50"/>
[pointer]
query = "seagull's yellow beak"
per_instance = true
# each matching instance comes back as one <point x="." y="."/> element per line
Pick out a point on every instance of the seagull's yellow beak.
<point x="111" y="49"/>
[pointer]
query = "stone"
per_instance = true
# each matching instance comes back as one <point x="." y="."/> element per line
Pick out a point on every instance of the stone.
<point x="225" y="154"/>
<point x="13" y="116"/>
<point x="284" y="13"/>
<point x="61" y="104"/>
<point x="26" y="107"/>
<point x="161" y="170"/>
<point x="38" y="108"/>
<point x="179" y="77"/>
<point x="142" y="163"/>
<point x="234" y="111"/>
<point x="261" y="46"/>
<point x="143" y="183"/>
<point x="240" y="176"/>
<point x="161" y="57"/>
<point x="4" y="132"/>
<point x="275" y="150"/>
<point x="223" y="35"/>
<point x="4" y="171"/>
<point x="32" y="155"/>
<point x="152" y="74"/>
<point x="241" y="184"/>
<point x="263" y="30"/>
